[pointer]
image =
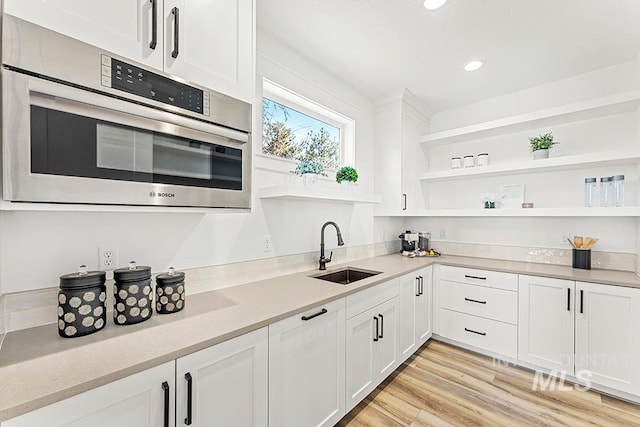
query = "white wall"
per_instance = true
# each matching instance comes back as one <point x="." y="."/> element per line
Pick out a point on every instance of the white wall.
<point x="37" y="247"/>
<point x="549" y="189"/>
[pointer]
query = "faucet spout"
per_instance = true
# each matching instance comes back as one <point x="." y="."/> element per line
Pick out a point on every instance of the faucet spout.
<point x="323" y="260"/>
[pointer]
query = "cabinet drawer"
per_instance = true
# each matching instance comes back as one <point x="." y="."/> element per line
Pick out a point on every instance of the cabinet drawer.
<point x="491" y="303"/>
<point x="497" y="337"/>
<point x="364" y="300"/>
<point x="491" y="279"/>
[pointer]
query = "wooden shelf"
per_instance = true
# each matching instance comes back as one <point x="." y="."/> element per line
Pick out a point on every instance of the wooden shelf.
<point x="299" y="192"/>
<point x="630" y="211"/>
<point x="599" y="107"/>
<point x="543" y="165"/>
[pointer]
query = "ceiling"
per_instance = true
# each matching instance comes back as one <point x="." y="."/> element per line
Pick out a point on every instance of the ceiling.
<point x="381" y="47"/>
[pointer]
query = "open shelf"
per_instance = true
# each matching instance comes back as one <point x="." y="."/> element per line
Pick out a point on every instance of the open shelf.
<point x="629" y="211"/>
<point x="599" y="107"/>
<point x="299" y="192"/>
<point x="543" y="165"/>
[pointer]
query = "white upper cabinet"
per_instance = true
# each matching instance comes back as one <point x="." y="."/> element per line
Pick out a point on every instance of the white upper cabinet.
<point x="124" y="27"/>
<point x="215" y="45"/>
<point x="210" y="43"/>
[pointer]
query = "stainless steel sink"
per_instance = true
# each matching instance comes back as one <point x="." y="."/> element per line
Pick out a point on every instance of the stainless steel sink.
<point x="346" y="275"/>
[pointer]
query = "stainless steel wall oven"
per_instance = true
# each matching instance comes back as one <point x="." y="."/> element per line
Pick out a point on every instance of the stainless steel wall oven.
<point x="80" y="125"/>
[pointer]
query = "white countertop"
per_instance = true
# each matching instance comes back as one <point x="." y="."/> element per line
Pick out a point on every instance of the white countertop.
<point x="37" y="367"/>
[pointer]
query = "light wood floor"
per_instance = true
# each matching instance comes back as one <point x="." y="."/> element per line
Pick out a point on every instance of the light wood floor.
<point x="442" y="385"/>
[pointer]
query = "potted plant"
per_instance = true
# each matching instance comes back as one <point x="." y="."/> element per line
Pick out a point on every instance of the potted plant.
<point x="309" y="170"/>
<point x="541" y="144"/>
<point x="346" y="176"/>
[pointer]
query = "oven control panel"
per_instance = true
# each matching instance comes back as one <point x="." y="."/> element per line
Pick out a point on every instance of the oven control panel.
<point x="129" y="78"/>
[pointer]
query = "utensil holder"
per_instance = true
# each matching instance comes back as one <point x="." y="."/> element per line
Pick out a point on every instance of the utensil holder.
<point x="581" y="258"/>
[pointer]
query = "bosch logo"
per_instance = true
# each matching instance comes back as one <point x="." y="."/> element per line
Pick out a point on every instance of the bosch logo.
<point x="154" y="194"/>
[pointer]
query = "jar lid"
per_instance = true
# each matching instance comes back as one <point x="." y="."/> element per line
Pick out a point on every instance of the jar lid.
<point x="588" y="180"/>
<point x="170" y="277"/>
<point x="468" y="157"/>
<point x="618" y="178"/>
<point x="131" y="273"/>
<point x="455" y="158"/>
<point x="82" y="279"/>
<point x="483" y="154"/>
<point x="606" y="179"/>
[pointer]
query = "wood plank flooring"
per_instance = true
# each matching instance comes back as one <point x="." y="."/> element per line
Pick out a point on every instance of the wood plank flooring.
<point x="442" y="385"/>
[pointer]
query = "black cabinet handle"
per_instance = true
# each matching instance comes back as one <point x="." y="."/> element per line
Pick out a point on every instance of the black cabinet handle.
<point x="475" y="300"/>
<point x="418" y="286"/>
<point x="176" y="29"/>
<point x="475" y="277"/>
<point x="375" y="338"/>
<point x="404" y="202"/>
<point x="154" y="24"/>
<point x="320" y="313"/>
<point x="568" y="299"/>
<point x="381" y="326"/>
<point x="581" y="301"/>
<point x="165" y="388"/>
<point x="421" y="285"/>
<point x="475" y="332"/>
<point x="189" y="379"/>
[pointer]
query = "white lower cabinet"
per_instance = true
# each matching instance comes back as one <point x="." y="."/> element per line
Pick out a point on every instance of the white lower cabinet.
<point x="371" y="349"/>
<point x="142" y="400"/>
<point x="225" y="385"/>
<point x="607" y="321"/>
<point x="307" y="367"/>
<point x="414" y="311"/>
<point x="545" y="327"/>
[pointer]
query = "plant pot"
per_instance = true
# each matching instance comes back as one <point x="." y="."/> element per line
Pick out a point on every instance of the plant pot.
<point x="309" y="179"/>
<point x="541" y="154"/>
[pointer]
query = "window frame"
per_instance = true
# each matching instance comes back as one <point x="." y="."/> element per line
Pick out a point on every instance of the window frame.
<point x="302" y="104"/>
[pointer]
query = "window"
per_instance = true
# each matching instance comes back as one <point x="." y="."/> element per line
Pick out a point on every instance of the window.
<point x="296" y="128"/>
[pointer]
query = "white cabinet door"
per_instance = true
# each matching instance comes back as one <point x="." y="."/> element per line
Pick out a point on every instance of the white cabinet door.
<point x="385" y="352"/>
<point x="228" y="383"/>
<point x="413" y="159"/>
<point x="414" y="311"/>
<point x="424" y="309"/>
<point x="360" y="373"/>
<point x="124" y="27"/>
<point x="407" y="303"/>
<point x="545" y="322"/>
<point x="214" y="46"/>
<point x="607" y="344"/>
<point x="307" y="367"/>
<point x="138" y="400"/>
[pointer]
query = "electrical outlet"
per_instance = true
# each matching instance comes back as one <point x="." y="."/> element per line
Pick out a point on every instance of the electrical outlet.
<point x="266" y="240"/>
<point x="107" y="257"/>
<point x="443" y="233"/>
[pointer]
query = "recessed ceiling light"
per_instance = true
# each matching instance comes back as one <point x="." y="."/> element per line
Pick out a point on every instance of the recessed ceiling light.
<point x="474" y="65"/>
<point x="433" y="4"/>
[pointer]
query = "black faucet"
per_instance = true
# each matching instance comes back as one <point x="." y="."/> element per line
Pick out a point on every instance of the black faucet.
<point x="323" y="260"/>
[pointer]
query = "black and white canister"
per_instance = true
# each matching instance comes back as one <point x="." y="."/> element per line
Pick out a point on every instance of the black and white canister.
<point x="81" y="303"/>
<point x="170" y="295"/>
<point x="132" y="294"/>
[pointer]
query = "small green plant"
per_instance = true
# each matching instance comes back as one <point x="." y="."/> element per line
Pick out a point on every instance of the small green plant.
<point x="542" y="142"/>
<point x="346" y="173"/>
<point x="309" y="166"/>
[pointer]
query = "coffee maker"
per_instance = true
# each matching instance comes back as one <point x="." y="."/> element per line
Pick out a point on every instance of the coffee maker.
<point x="409" y="240"/>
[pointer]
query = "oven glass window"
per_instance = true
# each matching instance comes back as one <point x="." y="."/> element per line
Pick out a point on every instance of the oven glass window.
<point x="74" y="145"/>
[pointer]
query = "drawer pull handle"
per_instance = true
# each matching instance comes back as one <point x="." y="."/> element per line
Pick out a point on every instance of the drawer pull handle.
<point x="568" y="299"/>
<point x="165" y="389"/>
<point x="381" y="326"/>
<point x="421" y="285"/>
<point x="475" y="300"/>
<point x="475" y="332"/>
<point x="581" y="301"/>
<point x="375" y="337"/>
<point x="475" y="277"/>
<point x="320" y="313"/>
<point x="189" y="379"/>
